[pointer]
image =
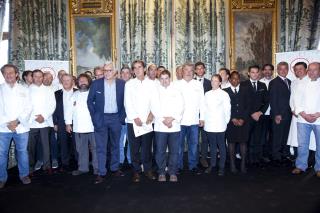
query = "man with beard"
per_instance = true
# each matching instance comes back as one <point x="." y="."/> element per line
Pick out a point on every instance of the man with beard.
<point x="78" y="120"/>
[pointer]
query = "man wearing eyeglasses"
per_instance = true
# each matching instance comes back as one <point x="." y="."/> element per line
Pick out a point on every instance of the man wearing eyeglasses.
<point x="106" y="106"/>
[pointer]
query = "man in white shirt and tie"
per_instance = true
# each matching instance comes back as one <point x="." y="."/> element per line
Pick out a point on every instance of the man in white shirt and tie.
<point x="43" y="105"/>
<point x="78" y="120"/>
<point x="15" y="109"/>
<point x="193" y="95"/>
<point x="308" y="110"/>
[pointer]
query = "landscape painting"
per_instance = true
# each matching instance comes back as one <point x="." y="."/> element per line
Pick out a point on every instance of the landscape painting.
<point x="252" y="39"/>
<point x="93" y="42"/>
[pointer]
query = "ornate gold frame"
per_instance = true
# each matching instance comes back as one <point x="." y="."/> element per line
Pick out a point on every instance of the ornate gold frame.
<point x="252" y="6"/>
<point x="90" y="8"/>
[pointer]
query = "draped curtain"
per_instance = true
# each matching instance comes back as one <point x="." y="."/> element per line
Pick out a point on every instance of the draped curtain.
<point x="300" y="25"/>
<point x="169" y="33"/>
<point x="145" y="31"/>
<point x="2" y="13"/>
<point x="200" y="33"/>
<point x="38" y="31"/>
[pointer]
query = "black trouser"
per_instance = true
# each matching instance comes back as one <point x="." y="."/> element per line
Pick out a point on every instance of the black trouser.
<point x="280" y="149"/>
<point x="67" y="145"/>
<point x="266" y="136"/>
<point x="204" y="143"/>
<point x="39" y="135"/>
<point x="255" y="142"/>
<point x="140" y="150"/>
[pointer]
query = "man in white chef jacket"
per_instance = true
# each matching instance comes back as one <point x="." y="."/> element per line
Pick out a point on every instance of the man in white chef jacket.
<point x="43" y="104"/>
<point x="15" y="109"/>
<point x="193" y="95"/>
<point x="78" y="120"/>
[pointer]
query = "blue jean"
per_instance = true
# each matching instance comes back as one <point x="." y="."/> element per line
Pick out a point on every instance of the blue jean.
<point x="192" y="135"/>
<point x="123" y="139"/>
<point x="170" y="140"/>
<point x="217" y="140"/>
<point x="21" y="144"/>
<point x="109" y="133"/>
<point x="304" y="131"/>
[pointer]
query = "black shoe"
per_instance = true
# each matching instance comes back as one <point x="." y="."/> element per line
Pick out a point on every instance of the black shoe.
<point x="221" y="172"/>
<point x="208" y="170"/>
<point x="196" y="171"/>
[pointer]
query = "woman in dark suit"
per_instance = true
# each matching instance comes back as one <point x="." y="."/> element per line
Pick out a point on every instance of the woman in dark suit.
<point x="238" y="127"/>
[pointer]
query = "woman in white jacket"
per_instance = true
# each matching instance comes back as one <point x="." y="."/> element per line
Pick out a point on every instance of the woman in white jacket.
<point x="216" y="118"/>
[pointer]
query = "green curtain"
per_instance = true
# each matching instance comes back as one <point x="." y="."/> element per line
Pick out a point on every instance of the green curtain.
<point x="38" y="31"/>
<point x="197" y="28"/>
<point x="200" y="33"/>
<point x="145" y="31"/>
<point x="300" y="25"/>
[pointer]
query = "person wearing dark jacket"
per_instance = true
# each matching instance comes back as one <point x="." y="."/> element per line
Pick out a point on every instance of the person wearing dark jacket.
<point x="258" y="94"/>
<point x="238" y="127"/>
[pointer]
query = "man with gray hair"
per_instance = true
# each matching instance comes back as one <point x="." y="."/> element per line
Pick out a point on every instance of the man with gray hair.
<point x="193" y="95"/>
<point x="106" y="106"/>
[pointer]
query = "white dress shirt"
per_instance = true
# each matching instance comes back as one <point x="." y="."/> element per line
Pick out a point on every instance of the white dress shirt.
<point x="77" y="113"/>
<point x="266" y="81"/>
<point x="43" y="103"/>
<point x="309" y="101"/>
<point x="193" y="96"/>
<point x="169" y="104"/>
<point x="225" y="85"/>
<point x="66" y="95"/>
<point x="14" y="104"/>
<point x="217" y="110"/>
<point x="138" y="97"/>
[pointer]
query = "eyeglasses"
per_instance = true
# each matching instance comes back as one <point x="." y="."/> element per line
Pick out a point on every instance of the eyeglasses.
<point x="107" y="70"/>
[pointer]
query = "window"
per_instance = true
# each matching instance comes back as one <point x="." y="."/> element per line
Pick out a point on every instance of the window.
<point x="4" y="43"/>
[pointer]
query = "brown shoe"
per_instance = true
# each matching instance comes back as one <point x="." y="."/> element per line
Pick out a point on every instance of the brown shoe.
<point x="136" y="177"/>
<point x="173" y="178"/>
<point x="318" y="174"/>
<point x="296" y="171"/>
<point x="162" y="178"/>
<point x="99" y="179"/>
<point x="150" y="175"/>
<point x="118" y="173"/>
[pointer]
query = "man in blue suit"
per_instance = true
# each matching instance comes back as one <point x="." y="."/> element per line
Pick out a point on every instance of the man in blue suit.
<point x="106" y="106"/>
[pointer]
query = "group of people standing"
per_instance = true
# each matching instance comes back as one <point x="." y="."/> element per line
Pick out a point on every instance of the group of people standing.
<point x="90" y="119"/>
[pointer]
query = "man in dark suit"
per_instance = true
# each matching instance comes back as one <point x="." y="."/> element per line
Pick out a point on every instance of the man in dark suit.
<point x="106" y="106"/>
<point x="200" y="70"/>
<point x="64" y="138"/>
<point x="258" y="96"/>
<point x="279" y="91"/>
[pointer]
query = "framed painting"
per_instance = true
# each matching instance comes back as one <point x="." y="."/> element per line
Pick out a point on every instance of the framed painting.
<point x="92" y="37"/>
<point x="253" y="34"/>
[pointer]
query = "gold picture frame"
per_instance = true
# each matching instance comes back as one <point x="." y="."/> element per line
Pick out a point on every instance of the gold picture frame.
<point x="253" y="33"/>
<point x="92" y="37"/>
